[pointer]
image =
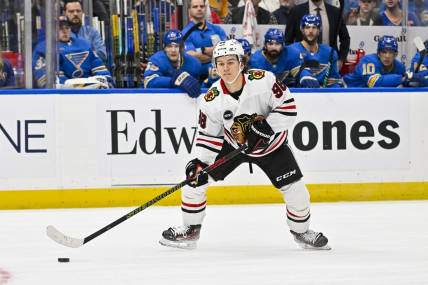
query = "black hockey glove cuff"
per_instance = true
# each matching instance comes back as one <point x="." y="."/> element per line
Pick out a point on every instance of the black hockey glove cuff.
<point x="259" y="135"/>
<point x="193" y="174"/>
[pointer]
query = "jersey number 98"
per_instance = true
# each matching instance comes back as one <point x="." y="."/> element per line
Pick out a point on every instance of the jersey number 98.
<point x="278" y="89"/>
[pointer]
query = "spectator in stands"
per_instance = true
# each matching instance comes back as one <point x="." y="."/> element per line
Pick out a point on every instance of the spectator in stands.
<point x="329" y="21"/>
<point x="201" y="41"/>
<point x="281" y="14"/>
<point x="281" y="60"/>
<point x="263" y="16"/>
<point x="76" y="60"/>
<point x="423" y="15"/>
<point x="362" y="14"/>
<point x="172" y="67"/>
<point x="380" y="69"/>
<point x="73" y="11"/>
<point x="418" y="72"/>
<point x="393" y="15"/>
<point x="319" y="67"/>
<point x="7" y="77"/>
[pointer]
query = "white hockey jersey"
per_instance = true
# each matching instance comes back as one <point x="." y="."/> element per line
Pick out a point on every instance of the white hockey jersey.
<point x="262" y="95"/>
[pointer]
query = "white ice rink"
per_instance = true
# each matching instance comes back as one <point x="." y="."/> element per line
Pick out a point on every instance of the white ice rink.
<point x="373" y="243"/>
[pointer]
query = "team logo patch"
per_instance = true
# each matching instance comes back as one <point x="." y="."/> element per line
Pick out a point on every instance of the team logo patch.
<point x="227" y="115"/>
<point x="152" y="67"/>
<point x="39" y="63"/>
<point x="256" y="74"/>
<point x="211" y="94"/>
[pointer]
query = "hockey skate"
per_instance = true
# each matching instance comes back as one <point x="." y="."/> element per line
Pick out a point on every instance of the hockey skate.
<point x="185" y="237"/>
<point x="311" y="240"/>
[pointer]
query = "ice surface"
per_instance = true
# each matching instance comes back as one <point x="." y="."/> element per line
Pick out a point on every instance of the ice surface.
<point x="373" y="243"/>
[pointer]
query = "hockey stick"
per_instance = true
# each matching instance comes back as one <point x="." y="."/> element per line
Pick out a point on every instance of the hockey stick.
<point x="68" y="241"/>
<point x="420" y="46"/>
<point x="331" y="56"/>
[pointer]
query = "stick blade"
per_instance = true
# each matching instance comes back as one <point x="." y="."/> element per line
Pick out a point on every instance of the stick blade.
<point x="419" y="44"/>
<point x="62" y="239"/>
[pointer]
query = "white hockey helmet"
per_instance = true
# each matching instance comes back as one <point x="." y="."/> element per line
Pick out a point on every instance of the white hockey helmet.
<point x="229" y="47"/>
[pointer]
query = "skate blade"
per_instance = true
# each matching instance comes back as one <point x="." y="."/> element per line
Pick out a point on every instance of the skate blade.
<point x="309" y="247"/>
<point x="181" y="245"/>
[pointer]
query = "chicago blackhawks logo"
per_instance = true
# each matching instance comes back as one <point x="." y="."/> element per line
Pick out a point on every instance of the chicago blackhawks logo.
<point x="211" y="94"/>
<point x="256" y="74"/>
<point x="240" y="127"/>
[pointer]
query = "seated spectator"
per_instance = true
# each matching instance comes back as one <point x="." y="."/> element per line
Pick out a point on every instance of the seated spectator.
<point x="213" y="75"/>
<point x="73" y="11"/>
<point x="172" y="67"/>
<point x="362" y="14"/>
<point x="319" y="67"/>
<point x="281" y="60"/>
<point x="281" y="14"/>
<point x="263" y="16"/>
<point x="418" y="71"/>
<point x="201" y="41"/>
<point x="423" y="14"/>
<point x="380" y="69"/>
<point x="7" y="77"/>
<point x="76" y="59"/>
<point x="393" y="15"/>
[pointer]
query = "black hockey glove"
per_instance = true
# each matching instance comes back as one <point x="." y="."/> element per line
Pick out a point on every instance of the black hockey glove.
<point x="186" y="82"/>
<point x="192" y="172"/>
<point x="259" y="135"/>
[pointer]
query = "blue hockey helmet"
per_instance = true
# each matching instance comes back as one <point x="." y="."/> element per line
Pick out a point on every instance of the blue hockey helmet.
<point x="246" y="46"/>
<point x="387" y="43"/>
<point x="274" y="35"/>
<point x="172" y="37"/>
<point x="310" y="20"/>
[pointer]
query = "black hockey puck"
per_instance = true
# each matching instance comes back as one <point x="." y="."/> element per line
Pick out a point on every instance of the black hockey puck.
<point x="63" y="259"/>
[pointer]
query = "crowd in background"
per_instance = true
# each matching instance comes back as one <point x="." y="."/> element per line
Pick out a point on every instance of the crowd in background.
<point x="321" y="52"/>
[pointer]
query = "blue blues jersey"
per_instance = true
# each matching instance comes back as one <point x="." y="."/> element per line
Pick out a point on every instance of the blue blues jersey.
<point x="288" y="63"/>
<point x="317" y="64"/>
<point x="423" y="68"/>
<point x="7" y="77"/>
<point x="370" y="72"/>
<point x="160" y="70"/>
<point x="208" y="35"/>
<point x="76" y="60"/>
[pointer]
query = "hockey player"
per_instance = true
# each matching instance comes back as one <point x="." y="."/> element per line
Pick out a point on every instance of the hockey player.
<point x="7" y="77"/>
<point x="419" y="78"/>
<point x="255" y="109"/>
<point x="315" y="56"/>
<point x="212" y="74"/>
<point x="172" y="67"/>
<point x="76" y="59"/>
<point x="281" y="60"/>
<point x="380" y="69"/>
